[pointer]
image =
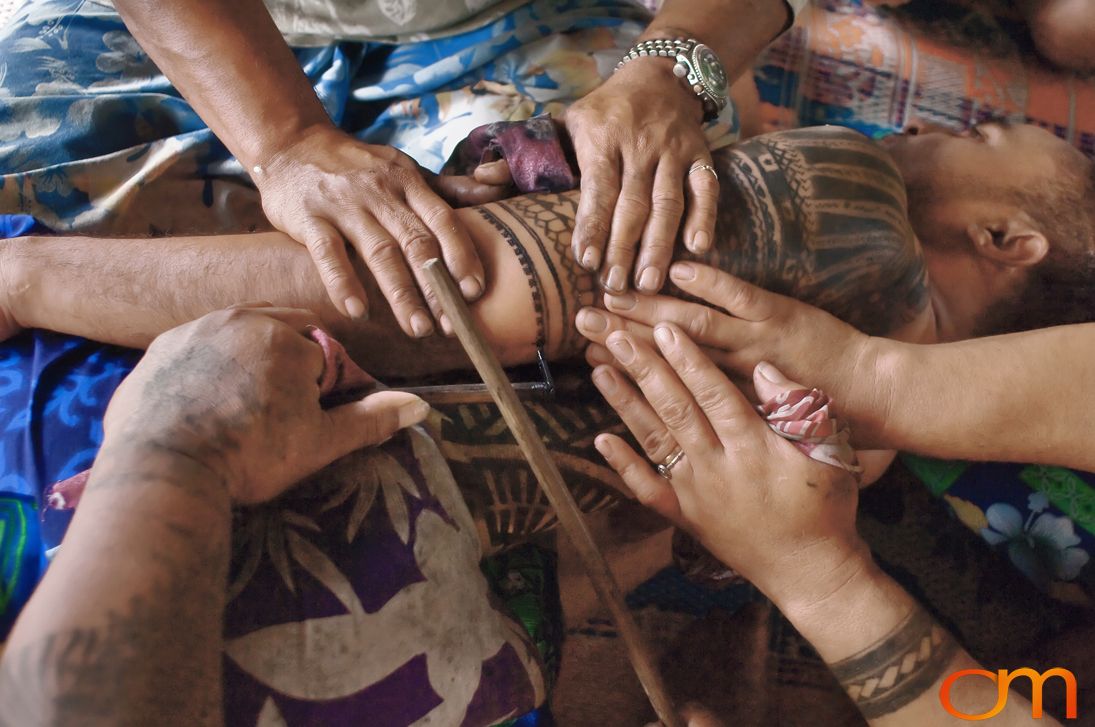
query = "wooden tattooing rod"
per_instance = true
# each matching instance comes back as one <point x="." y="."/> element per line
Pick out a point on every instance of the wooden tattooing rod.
<point x="551" y="480"/>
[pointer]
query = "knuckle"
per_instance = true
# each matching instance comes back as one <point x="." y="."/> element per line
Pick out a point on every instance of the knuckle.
<point x="403" y="296"/>
<point x="439" y="217"/>
<point x="379" y="251"/>
<point x="653" y="442"/>
<point x="708" y="395"/>
<point x="677" y="413"/>
<point x="635" y="202"/>
<point x="418" y="245"/>
<point x="700" y="324"/>
<point x="329" y="268"/>
<point x="598" y="225"/>
<point x="668" y="203"/>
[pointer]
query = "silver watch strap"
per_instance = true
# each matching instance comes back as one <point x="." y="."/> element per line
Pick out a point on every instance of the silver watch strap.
<point x="663" y="47"/>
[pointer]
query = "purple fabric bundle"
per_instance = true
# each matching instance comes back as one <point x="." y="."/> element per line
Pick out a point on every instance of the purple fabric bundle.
<point x="533" y="149"/>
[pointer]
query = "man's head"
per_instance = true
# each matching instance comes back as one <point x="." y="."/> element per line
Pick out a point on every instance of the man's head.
<point x="1006" y="214"/>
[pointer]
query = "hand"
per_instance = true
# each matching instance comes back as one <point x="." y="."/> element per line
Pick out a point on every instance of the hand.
<point x="784" y="521"/>
<point x="490" y="182"/>
<point x="745" y="325"/>
<point x="636" y="137"/>
<point x="238" y="392"/>
<point x="328" y="189"/>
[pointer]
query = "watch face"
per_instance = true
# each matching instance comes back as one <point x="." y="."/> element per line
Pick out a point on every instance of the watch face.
<point x="710" y="71"/>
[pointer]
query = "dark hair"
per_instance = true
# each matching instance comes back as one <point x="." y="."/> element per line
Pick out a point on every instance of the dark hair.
<point x="1061" y="289"/>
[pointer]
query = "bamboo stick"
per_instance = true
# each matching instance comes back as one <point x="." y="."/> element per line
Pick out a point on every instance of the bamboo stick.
<point x="551" y="480"/>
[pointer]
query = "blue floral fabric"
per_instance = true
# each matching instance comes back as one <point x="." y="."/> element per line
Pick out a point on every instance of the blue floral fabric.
<point x="1042" y="518"/>
<point x="94" y="138"/>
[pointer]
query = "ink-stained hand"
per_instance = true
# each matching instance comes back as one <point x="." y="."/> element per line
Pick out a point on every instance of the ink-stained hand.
<point x="784" y="521"/>
<point x="237" y="391"/>
<point x="636" y="137"/>
<point x="744" y="325"/>
<point x="327" y="190"/>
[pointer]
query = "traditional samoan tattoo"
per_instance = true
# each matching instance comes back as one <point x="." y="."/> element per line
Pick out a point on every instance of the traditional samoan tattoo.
<point x="820" y="215"/>
<point x="539" y="302"/>
<point x="817" y="214"/>
<point x="893" y="672"/>
<point x="548" y="220"/>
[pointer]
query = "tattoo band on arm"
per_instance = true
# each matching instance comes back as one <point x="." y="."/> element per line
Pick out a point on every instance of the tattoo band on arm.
<point x="896" y="670"/>
<point x="538" y="227"/>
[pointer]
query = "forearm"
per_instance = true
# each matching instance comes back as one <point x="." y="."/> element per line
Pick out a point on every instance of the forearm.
<point x="891" y="656"/>
<point x="128" y="291"/>
<point x="125" y="629"/>
<point x="1020" y="398"/>
<point x="231" y="63"/>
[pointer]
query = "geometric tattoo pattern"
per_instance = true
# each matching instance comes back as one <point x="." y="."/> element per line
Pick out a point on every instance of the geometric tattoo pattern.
<point x="898" y="669"/>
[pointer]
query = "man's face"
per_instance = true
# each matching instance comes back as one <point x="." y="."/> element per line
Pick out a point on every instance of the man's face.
<point x="951" y="177"/>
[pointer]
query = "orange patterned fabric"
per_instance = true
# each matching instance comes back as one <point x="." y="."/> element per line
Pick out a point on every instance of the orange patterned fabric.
<point x="851" y="64"/>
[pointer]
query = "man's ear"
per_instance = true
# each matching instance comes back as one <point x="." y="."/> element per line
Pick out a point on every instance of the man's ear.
<point x="1015" y="242"/>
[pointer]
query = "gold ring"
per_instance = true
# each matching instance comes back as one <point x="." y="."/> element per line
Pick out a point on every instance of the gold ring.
<point x="698" y="166"/>
<point x="665" y="467"/>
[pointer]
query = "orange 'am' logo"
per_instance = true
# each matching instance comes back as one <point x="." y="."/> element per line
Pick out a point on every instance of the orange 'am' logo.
<point x="1003" y="679"/>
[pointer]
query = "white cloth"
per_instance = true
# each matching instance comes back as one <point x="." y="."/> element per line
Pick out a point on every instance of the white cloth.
<point x="318" y="22"/>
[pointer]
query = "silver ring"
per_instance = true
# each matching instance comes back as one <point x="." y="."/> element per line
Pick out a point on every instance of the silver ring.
<point x="665" y="467"/>
<point x="698" y="166"/>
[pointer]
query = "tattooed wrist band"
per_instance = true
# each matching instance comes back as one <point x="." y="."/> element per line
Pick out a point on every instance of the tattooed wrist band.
<point x="898" y="669"/>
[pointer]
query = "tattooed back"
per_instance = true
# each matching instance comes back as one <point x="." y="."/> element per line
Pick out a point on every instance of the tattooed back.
<point x="819" y="214"/>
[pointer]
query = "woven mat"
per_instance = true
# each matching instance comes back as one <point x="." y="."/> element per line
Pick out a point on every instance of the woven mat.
<point x="752" y="668"/>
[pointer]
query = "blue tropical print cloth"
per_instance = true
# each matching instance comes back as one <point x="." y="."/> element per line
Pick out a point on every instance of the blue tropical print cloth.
<point x="94" y="138"/>
<point x="1041" y="518"/>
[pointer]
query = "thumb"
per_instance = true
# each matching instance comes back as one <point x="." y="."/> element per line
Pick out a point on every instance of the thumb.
<point x="372" y="420"/>
<point x="770" y="382"/>
<point x="495" y="173"/>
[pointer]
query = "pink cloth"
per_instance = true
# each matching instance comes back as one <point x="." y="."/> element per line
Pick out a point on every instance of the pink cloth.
<point x="804" y="417"/>
<point x="340" y="375"/>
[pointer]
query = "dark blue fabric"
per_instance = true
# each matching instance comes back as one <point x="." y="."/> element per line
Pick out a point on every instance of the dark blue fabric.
<point x="53" y="393"/>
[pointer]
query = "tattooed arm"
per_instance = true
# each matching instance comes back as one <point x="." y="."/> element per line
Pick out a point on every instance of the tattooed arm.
<point x="891" y="656"/>
<point x="783" y="520"/>
<point x="818" y="214"/>
<point x="125" y="629"/>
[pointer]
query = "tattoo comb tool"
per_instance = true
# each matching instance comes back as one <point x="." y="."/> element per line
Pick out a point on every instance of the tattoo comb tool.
<point x="551" y="481"/>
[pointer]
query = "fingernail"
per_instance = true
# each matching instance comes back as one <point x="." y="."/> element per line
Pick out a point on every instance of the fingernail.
<point x="446" y="324"/>
<point x="701" y="241"/>
<point x="683" y="271"/>
<point x="770" y="372"/>
<point x="621" y="302"/>
<point x="650" y="279"/>
<point x="471" y="288"/>
<point x="622" y="349"/>
<point x="664" y="335"/>
<point x="413" y="412"/>
<point x="603" y="378"/>
<point x="420" y="324"/>
<point x="354" y="307"/>
<point x="590" y="258"/>
<point x="616" y="281"/>
<point x="602" y="445"/>
<point x="592" y="320"/>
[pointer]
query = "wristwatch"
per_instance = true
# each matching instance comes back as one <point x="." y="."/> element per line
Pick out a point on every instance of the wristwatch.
<point x="697" y="65"/>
